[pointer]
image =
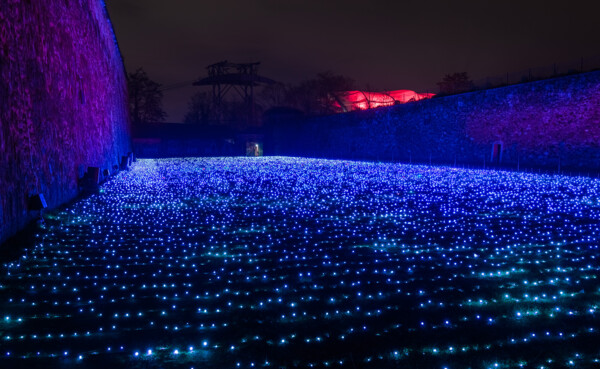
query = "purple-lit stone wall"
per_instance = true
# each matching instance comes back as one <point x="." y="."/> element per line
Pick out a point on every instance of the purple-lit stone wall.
<point x="63" y="101"/>
<point x="539" y="124"/>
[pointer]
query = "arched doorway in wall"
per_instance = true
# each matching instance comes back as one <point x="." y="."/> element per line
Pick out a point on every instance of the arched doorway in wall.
<point x="497" y="152"/>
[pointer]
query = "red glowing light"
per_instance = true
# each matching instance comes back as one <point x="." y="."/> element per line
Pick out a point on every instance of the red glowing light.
<point x="361" y="100"/>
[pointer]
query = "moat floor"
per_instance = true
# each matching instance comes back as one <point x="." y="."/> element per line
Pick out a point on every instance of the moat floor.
<point x="305" y="263"/>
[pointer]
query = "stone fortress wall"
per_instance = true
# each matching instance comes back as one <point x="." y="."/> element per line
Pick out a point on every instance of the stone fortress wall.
<point x="63" y="102"/>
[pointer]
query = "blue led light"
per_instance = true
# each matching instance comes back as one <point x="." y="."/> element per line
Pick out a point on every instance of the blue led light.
<point x="310" y="260"/>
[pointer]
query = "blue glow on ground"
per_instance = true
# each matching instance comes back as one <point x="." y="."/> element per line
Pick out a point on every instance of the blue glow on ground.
<point x="284" y="262"/>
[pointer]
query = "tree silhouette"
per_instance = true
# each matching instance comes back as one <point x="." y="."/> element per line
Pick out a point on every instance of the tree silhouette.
<point x="203" y="110"/>
<point x="273" y="95"/>
<point x="145" y="98"/>
<point x="455" y="83"/>
<point x="317" y="96"/>
<point x="200" y="109"/>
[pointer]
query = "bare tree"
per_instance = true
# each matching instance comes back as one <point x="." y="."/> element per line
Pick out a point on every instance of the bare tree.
<point x="273" y="95"/>
<point x="455" y="83"/>
<point x="317" y="96"/>
<point x="145" y="98"/>
<point x="200" y="109"/>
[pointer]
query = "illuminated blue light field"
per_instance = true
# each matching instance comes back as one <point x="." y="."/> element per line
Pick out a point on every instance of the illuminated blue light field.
<point x="302" y="263"/>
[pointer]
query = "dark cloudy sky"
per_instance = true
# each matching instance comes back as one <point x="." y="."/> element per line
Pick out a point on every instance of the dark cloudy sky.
<point x="383" y="44"/>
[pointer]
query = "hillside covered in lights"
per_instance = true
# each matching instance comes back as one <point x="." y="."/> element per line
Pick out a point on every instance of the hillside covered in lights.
<point x="306" y="263"/>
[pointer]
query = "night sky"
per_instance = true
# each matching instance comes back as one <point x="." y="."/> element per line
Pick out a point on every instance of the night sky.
<point x="382" y="45"/>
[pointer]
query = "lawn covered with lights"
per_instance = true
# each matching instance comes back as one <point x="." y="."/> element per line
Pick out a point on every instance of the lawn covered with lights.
<point x="306" y="263"/>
